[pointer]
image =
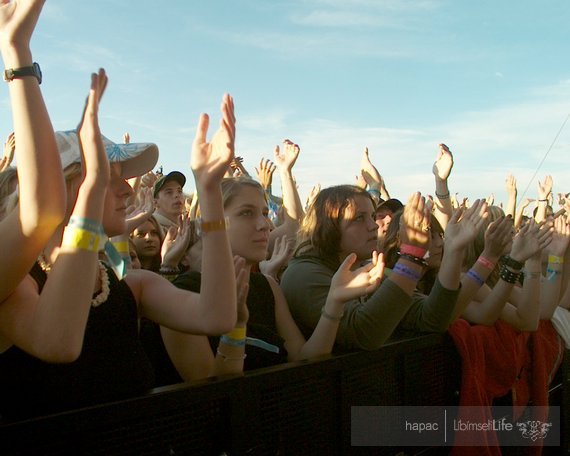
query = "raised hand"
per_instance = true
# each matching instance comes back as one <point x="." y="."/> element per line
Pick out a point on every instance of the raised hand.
<point x="544" y="188"/>
<point x="286" y="158"/>
<point x="369" y="171"/>
<point x="265" y="173"/>
<point x="464" y="225"/>
<point x="415" y="222"/>
<point x="360" y="181"/>
<point x="126" y="138"/>
<point x="531" y="239"/>
<point x="498" y="235"/>
<point x="511" y="185"/>
<point x="17" y="22"/>
<point x="350" y="284"/>
<point x="443" y="163"/>
<point x="282" y="252"/>
<point x="210" y="160"/>
<point x="176" y="242"/>
<point x="312" y="195"/>
<point x="96" y="164"/>
<point x="9" y="149"/>
<point x="490" y="199"/>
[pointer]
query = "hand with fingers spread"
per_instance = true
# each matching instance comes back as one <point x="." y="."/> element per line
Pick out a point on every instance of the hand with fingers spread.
<point x="415" y="222"/>
<point x="312" y="195"/>
<point x="176" y="243"/>
<point x="464" y="226"/>
<point x="511" y="185"/>
<point x="286" y="157"/>
<point x="490" y="199"/>
<point x="443" y="163"/>
<point x="498" y="236"/>
<point x="348" y="284"/>
<point x="282" y="252"/>
<point x="265" y="173"/>
<point x="139" y="212"/>
<point x="210" y="160"/>
<point x="530" y="240"/>
<point x="545" y="188"/>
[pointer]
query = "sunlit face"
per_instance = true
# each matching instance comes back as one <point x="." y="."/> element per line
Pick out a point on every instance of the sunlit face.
<point x="170" y="200"/>
<point x="147" y="240"/>
<point x="115" y="210"/>
<point x="359" y="232"/>
<point x="249" y="224"/>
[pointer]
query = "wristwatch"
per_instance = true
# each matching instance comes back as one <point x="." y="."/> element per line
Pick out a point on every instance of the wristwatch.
<point x="15" y="73"/>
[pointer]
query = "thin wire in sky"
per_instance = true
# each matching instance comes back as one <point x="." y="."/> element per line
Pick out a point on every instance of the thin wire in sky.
<point x="544" y="158"/>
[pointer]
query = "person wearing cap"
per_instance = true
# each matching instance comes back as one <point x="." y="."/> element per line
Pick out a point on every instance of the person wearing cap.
<point x="70" y="329"/>
<point x="384" y="213"/>
<point x="26" y="227"/>
<point x="169" y="199"/>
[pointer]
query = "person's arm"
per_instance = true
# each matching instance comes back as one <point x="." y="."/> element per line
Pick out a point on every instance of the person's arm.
<point x="511" y="187"/>
<point x="544" y="191"/>
<point x="551" y="284"/>
<point x="345" y="286"/>
<point x="51" y="326"/>
<point x="498" y="235"/>
<point x="441" y="169"/>
<point x="213" y="311"/>
<point x="192" y="355"/>
<point x="367" y="323"/>
<point x="293" y="208"/>
<point x="372" y="177"/>
<point x="26" y="230"/>
<point x="520" y="212"/>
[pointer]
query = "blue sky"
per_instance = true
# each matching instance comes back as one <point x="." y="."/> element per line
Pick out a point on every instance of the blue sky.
<point x="488" y="78"/>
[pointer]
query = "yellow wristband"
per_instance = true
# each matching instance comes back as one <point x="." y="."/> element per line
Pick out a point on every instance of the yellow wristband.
<point x="215" y="225"/>
<point x="82" y="239"/>
<point x="237" y="333"/>
<point x="122" y="246"/>
<point x="553" y="259"/>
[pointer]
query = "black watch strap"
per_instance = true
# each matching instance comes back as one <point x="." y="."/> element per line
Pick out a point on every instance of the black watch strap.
<point x="16" y="73"/>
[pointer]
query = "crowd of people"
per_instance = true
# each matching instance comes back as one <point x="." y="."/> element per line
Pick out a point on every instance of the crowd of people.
<point x="115" y="281"/>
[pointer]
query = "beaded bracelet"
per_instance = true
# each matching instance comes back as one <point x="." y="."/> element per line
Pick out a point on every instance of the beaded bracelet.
<point x="404" y="271"/>
<point x="476" y="277"/>
<point x="509" y="276"/>
<point x="532" y="274"/>
<point x="442" y="197"/>
<point x="328" y="316"/>
<point x="83" y="239"/>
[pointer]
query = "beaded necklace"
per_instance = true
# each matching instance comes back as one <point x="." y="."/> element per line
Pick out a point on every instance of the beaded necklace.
<point x="104" y="293"/>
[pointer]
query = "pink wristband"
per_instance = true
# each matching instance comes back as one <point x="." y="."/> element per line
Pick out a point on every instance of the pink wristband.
<point x="485" y="262"/>
<point x="418" y="252"/>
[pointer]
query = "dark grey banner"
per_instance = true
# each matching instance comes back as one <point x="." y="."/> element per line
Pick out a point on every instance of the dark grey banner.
<point x="455" y="426"/>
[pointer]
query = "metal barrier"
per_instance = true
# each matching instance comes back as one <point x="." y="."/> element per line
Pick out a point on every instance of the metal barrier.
<point x="300" y="408"/>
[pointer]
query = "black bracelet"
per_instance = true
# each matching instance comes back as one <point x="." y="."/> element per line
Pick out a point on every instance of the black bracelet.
<point x="413" y="259"/>
<point x="509" y="276"/>
<point x="442" y="197"/>
<point x="511" y="263"/>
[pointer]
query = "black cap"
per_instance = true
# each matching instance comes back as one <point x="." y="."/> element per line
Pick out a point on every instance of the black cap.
<point x="172" y="176"/>
<point x="392" y="204"/>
